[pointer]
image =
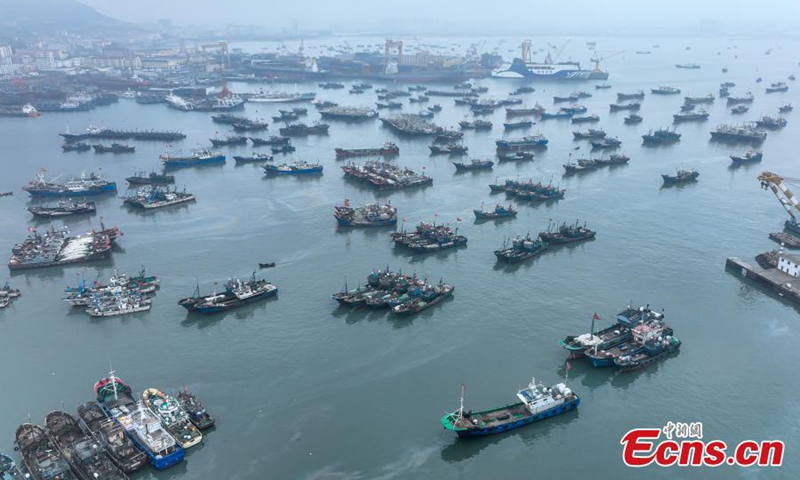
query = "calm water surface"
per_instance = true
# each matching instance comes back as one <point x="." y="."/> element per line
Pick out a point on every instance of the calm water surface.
<point x="303" y="389"/>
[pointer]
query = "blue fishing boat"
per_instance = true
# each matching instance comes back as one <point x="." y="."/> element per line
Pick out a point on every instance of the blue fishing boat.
<point x="140" y="424"/>
<point x="202" y="157"/>
<point x="85" y="185"/>
<point x="524" y="143"/>
<point x="537" y="402"/>
<point x="297" y="168"/>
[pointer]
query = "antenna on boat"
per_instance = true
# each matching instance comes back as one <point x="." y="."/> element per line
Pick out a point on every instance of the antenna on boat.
<point x="113" y="381"/>
<point x="461" y="404"/>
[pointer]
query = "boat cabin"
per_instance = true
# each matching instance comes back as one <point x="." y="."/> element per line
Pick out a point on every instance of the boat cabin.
<point x="789" y="264"/>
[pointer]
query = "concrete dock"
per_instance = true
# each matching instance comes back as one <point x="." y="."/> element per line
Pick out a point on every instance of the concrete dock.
<point x="785" y="285"/>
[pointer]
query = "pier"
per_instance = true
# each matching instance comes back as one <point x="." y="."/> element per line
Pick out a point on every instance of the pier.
<point x="784" y="284"/>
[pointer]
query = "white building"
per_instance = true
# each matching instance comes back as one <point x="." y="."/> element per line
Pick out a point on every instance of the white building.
<point x="5" y="51"/>
<point x="789" y="264"/>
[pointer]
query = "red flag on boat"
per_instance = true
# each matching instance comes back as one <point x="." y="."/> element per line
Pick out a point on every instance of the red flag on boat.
<point x="458" y="219"/>
<point x="346" y="202"/>
<point x="595" y="317"/>
<point x="569" y="366"/>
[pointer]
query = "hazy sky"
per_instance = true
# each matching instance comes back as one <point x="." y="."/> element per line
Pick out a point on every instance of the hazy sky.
<point x="464" y="15"/>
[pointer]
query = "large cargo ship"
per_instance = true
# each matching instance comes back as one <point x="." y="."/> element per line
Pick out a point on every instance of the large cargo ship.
<point x="550" y="69"/>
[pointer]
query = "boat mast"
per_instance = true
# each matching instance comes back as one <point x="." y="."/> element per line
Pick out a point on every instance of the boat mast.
<point x="113" y="382"/>
<point x="461" y="405"/>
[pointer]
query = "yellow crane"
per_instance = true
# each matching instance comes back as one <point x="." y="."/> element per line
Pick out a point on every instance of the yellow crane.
<point x="779" y="186"/>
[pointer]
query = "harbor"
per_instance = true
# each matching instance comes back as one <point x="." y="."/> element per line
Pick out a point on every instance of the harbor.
<point x="259" y="368"/>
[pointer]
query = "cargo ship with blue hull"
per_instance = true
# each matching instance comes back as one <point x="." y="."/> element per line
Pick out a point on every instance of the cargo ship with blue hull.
<point x="537" y="402"/>
<point x="140" y="424"/>
<point x="524" y="68"/>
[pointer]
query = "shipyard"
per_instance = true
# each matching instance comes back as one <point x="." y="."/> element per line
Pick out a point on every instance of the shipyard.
<point x="394" y="241"/>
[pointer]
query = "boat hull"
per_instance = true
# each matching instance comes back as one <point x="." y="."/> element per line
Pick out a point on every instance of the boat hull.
<point x="111" y="187"/>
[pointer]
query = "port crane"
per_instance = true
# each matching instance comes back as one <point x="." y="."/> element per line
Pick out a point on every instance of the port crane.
<point x="222" y="48"/>
<point x="778" y="185"/>
<point x="392" y="44"/>
<point x="597" y="58"/>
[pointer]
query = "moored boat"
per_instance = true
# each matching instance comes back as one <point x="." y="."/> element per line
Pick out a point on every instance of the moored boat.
<point x="296" y="168"/>
<point x="521" y="248"/>
<point x="537" y="402"/>
<point x="369" y="215"/>
<point x="498" y="212"/>
<point x="82" y="451"/>
<point x="682" y="176"/>
<point x="195" y="410"/>
<point x="237" y="293"/>
<point x="140" y="424"/>
<point x="564" y="233"/>
<point x="112" y="437"/>
<point x="41" y="459"/>
<point x="64" y="208"/>
<point x="172" y="417"/>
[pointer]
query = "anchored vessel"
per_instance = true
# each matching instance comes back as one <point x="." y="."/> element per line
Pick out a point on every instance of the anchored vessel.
<point x="296" y="168"/>
<point x="113" y="148"/>
<point x="112" y="134"/>
<point x="140" y="424"/>
<point x="112" y="437"/>
<point x="632" y="326"/>
<point x="566" y="233"/>
<point x="524" y="143"/>
<point x="150" y="198"/>
<point x="64" y="208"/>
<point x="81" y="450"/>
<point x="172" y="416"/>
<point x="537" y="402"/>
<point x="40" y="456"/>
<point x="750" y="156"/>
<point x="369" y="215"/>
<point x="237" y="293"/>
<point x="422" y="298"/>
<point x="661" y="137"/>
<point x="85" y="185"/>
<point x="153" y="178"/>
<point x="201" y="157"/>
<point x="388" y="149"/>
<point x="498" y="212"/>
<point x="195" y="410"/>
<point x="9" y="470"/>
<point x="524" y="67"/>
<point x="682" y="176"/>
<point x="474" y="164"/>
<point x="256" y="157"/>
<point x="56" y="247"/>
<point x="522" y="248"/>
<point x="428" y="237"/>
<point x="301" y="129"/>
<point x="384" y="175"/>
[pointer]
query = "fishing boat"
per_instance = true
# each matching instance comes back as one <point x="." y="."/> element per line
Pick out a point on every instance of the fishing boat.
<point x="498" y="213"/>
<point x="590" y="134"/>
<point x="521" y="248"/>
<point x="655" y="346"/>
<point x="606" y="143"/>
<point x="661" y="136"/>
<point x="564" y="233"/>
<point x="368" y="215"/>
<point x="296" y="168"/>
<point x="426" y="238"/>
<point x="273" y="140"/>
<point x="474" y="164"/>
<point x="153" y="178"/>
<point x="665" y="91"/>
<point x="515" y="157"/>
<point x="561" y="115"/>
<point x="266" y="265"/>
<point x="518" y="125"/>
<point x="41" y="459"/>
<point x="237" y="293"/>
<point x="153" y="197"/>
<point x="197" y="413"/>
<point x="633" y="119"/>
<point x="616" y="107"/>
<point x="64" y="208"/>
<point x="682" y="176"/>
<point x="82" y="451"/>
<point x="524" y="143"/>
<point x="740" y="109"/>
<point x="785" y="108"/>
<point x="577" y="345"/>
<point x="301" y="129"/>
<point x="699" y="100"/>
<point x="120" y="303"/>
<point x="227" y="141"/>
<point x="537" y="402"/>
<point x="697" y="116"/>
<point x="777" y="87"/>
<point x="85" y="185"/>
<point x="451" y="149"/>
<point x="750" y="156"/>
<point x="140" y="424"/>
<point x="423" y="299"/>
<point x="475" y="125"/>
<point x="9" y="470"/>
<point x="280" y="97"/>
<point x="112" y="437"/>
<point x="113" y="148"/>
<point x="256" y="157"/>
<point x="388" y="149"/>
<point x="638" y="95"/>
<point x="172" y="417"/>
<point x="633" y="324"/>
<point x="76" y="147"/>
<point x="198" y="158"/>
<point x="586" y="119"/>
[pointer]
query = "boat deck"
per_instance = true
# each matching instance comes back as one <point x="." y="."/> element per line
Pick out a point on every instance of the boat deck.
<point x="786" y="239"/>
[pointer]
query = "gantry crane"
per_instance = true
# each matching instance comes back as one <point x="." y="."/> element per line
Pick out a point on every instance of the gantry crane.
<point x="390" y="44"/>
<point x="778" y="185"/>
<point x="223" y="50"/>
